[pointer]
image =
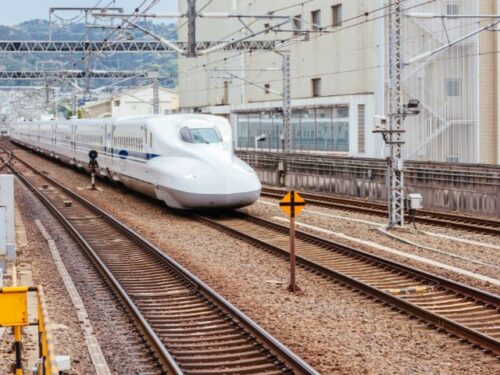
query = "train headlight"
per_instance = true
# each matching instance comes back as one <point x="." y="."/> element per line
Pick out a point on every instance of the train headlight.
<point x="191" y="176"/>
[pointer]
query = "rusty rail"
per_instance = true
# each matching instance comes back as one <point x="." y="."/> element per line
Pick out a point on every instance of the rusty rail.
<point x="444" y="219"/>
<point x="189" y="326"/>
<point x="413" y="291"/>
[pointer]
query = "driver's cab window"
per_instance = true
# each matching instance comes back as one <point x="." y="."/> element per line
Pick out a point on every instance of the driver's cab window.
<point x="200" y="135"/>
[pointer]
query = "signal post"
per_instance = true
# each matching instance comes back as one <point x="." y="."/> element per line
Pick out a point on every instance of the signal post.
<point x="93" y="165"/>
<point x="291" y="204"/>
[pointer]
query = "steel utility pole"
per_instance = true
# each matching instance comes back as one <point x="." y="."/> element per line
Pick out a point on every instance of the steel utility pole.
<point x="191" y="14"/>
<point x="155" y="80"/>
<point x="73" y="99"/>
<point x="47" y="95"/>
<point x="395" y="167"/>
<point x="86" y="57"/>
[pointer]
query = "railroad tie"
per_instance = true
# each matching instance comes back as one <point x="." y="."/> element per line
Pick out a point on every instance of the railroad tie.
<point x="413" y="289"/>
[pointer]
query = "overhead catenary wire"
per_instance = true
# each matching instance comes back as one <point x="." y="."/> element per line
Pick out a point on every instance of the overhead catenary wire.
<point x="297" y="38"/>
<point x="373" y="46"/>
<point x="356" y="70"/>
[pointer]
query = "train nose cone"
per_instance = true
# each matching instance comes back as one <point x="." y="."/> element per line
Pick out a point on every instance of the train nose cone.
<point x="218" y="184"/>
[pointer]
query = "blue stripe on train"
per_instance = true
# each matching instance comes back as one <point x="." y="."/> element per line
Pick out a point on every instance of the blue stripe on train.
<point x="120" y="153"/>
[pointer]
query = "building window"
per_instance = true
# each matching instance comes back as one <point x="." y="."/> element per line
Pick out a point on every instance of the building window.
<point x="316" y="20"/>
<point x="253" y="128"/>
<point x="340" y="132"/>
<point x="267" y="86"/>
<point x="452" y="9"/>
<point x="452" y="86"/>
<point x="313" y="129"/>
<point x="297" y="24"/>
<point x="316" y="87"/>
<point x="117" y="103"/>
<point x="307" y="139"/>
<point x="337" y="15"/>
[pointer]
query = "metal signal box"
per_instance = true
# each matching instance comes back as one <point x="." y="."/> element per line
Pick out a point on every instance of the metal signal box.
<point x="414" y="201"/>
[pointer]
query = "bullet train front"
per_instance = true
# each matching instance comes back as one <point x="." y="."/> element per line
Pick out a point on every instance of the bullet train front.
<point x="197" y="167"/>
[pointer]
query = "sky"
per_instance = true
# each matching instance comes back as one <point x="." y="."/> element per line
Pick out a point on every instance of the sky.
<point x="16" y="11"/>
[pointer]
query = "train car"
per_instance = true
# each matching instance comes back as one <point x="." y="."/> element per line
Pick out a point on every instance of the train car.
<point x="186" y="160"/>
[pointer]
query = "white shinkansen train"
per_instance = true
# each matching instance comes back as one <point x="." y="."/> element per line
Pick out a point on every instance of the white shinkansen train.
<point x="186" y="160"/>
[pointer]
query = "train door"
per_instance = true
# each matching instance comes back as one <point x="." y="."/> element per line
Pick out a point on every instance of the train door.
<point x="53" y="138"/>
<point x="108" y="144"/>
<point x="38" y="137"/>
<point x="150" y="175"/>
<point x="73" y="141"/>
<point x="148" y="137"/>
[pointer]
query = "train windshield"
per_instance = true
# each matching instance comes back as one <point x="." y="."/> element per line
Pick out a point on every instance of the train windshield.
<point x="200" y="135"/>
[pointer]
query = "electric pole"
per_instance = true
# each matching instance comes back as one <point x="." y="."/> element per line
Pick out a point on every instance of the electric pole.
<point x="395" y="132"/>
<point x="191" y="14"/>
<point x="155" y="80"/>
<point x="73" y="100"/>
<point x="47" y="95"/>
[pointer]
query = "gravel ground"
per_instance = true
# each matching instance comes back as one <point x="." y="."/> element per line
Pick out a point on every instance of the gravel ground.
<point x="335" y="329"/>
<point x="424" y="227"/>
<point x="68" y="335"/>
<point x="367" y="232"/>
<point x="122" y="345"/>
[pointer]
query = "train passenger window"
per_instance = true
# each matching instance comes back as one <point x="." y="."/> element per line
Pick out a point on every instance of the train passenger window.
<point x="201" y="135"/>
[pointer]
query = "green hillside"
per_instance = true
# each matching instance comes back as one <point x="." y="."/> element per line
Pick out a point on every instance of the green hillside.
<point x="165" y="63"/>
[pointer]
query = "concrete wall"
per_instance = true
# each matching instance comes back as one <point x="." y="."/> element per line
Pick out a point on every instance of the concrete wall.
<point x="473" y="189"/>
<point x="97" y="110"/>
<point x="339" y="58"/>
<point x="139" y="102"/>
<point x="134" y="103"/>
<point x="7" y="230"/>
<point x="488" y="87"/>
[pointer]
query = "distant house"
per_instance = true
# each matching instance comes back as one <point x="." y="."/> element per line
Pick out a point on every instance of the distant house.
<point x="132" y="103"/>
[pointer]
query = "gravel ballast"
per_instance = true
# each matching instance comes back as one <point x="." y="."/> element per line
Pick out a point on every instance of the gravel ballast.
<point x="35" y="255"/>
<point x="123" y="347"/>
<point x="334" y="328"/>
<point x="370" y="233"/>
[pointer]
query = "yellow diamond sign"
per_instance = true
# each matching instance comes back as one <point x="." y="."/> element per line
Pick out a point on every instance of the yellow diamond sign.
<point x="292" y="203"/>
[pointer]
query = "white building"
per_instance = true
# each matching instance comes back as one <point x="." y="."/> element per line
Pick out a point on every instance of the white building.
<point x="132" y="103"/>
<point x="338" y="77"/>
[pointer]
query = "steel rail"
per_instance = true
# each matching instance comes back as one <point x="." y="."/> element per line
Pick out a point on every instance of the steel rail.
<point x="471" y="335"/>
<point x="161" y="352"/>
<point x="290" y="359"/>
<point x="5" y="162"/>
<point x="469" y="223"/>
<point x="438" y="320"/>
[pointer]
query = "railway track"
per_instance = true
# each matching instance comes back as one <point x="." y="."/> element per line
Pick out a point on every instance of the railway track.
<point x="470" y="223"/>
<point x="461" y="310"/>
<point x="466" y="312"/>
<point x="190" y="328"/>
<point x="4" y="162"/>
